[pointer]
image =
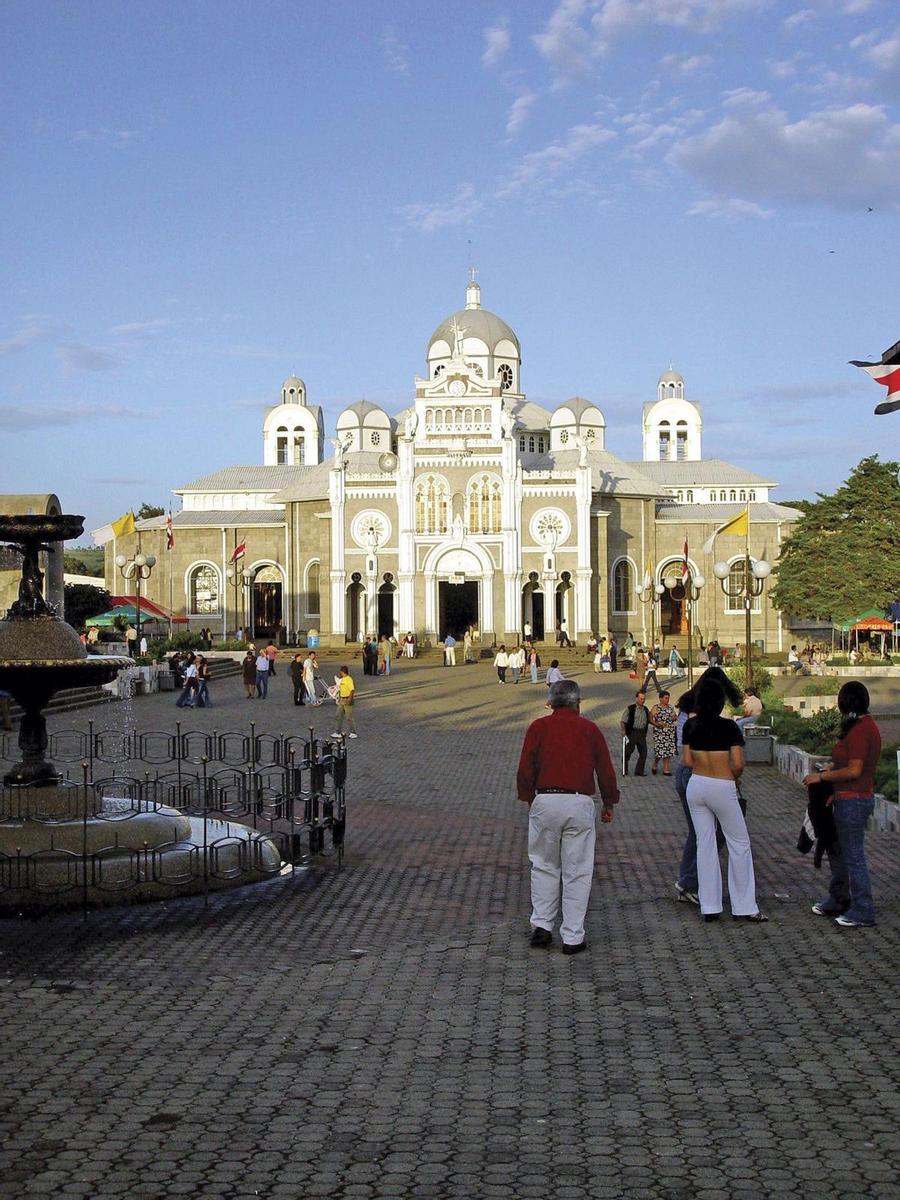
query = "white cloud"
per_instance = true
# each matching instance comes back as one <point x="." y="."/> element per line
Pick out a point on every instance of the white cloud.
<point x="884" y="55"/>
<point x="728" y="209"/>
<point x="117" y="138"/>
<point x="798" y="19"/>
<point x="31" y="329"/>
<point x="744" y="98"/>
<point x="76" y="356"/>
<point x="140" y="328"/>
<point x="564" y="43"/>
<point x="496" y="44"/>
<point x="836" y="157"/>
<point x="396" y="53"/>
<point x="429" y="217"/>
<point x="685" y="64"/>
<point x="519" y="112"/>
<point x="539" y="167"/>
<point x="15" y="417"/>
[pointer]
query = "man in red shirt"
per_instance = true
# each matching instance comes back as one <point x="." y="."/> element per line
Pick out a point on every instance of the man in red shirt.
<point x="561" y="757"/>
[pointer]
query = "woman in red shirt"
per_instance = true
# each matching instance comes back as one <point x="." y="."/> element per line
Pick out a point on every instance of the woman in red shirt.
<point x="852" y="773"/>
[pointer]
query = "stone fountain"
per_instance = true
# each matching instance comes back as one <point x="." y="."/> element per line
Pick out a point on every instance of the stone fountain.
<point x="51" y="831"/>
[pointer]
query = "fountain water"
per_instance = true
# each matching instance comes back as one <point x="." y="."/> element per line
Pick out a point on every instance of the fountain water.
<point x="50" y="828"/>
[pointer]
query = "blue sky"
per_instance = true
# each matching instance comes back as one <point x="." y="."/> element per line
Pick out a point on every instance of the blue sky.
<point x="201" y="199"/>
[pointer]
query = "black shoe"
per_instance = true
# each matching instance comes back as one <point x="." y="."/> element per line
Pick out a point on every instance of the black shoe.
<point x="711" y="916"/>
<point x="578" y="948"/>
<point x="541" y="938"/>
<point x="757" y="916"/>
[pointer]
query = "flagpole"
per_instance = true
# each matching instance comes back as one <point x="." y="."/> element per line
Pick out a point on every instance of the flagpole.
<point x="748" y="599"/>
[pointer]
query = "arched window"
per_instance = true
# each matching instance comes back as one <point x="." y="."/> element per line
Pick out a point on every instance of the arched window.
<point x="734" y="597"/>
<point x="313" y="594"/>
<point x="506" y="377"/>
<point x="485" y="505"/>
<point x="664" y="440"/>
<point x="733" y="494"/>
<point x="431" y="505"/>
<point x="281" y="446"/>
<point x="540" y="445"/>
<point x="438" y="369"/>
<point x="203" y="589"/>
<point x="522" y="443"/>
<point x="531" y="444"/>
<point x="752" y="494"/>
<point x="690" y="496"/>
<point x="623" y="579"/>
<point x="743" y="494"/>
<point x="681" y="435"/>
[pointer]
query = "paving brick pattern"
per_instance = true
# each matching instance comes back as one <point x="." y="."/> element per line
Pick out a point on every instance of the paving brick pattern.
<point x="386" y="1031"/>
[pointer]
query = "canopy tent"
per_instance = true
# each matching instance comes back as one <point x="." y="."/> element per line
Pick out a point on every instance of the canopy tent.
<point x="150" y="610"/>
<point x="870" y="614"/>
<point x="874" y="625"/>
<point x="129" y="613"/>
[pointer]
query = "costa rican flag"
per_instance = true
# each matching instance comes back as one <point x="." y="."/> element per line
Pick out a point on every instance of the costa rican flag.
<point x="170" y="533"/>
<point x="239" y="551"/>
<point x="887" y="374"/>
<point x="685" y="569"/>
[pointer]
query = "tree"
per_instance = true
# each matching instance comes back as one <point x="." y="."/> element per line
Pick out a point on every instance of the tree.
<point x="149" y="510"/>
<point x="84" y="602"/>
<point x="843" y="555"/>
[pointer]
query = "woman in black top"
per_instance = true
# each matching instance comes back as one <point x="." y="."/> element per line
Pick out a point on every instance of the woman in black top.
<point x="714" y="750"/>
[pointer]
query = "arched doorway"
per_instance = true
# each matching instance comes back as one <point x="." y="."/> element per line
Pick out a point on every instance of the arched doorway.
<point x="533" y="606"/>
<point x="386" y="595"/>
<point x="266" y="602"/>
<point x="356" y="608"/>
<point x="458" y="591"/>
<point x="565" y="593"/>
<point x="673" y="615"/>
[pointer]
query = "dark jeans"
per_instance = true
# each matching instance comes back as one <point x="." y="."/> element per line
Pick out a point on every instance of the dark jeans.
<point x="687" y="872"/>
<point x="262" y="684"/>
<point x="501" y="674"/>
<point x="299" y="691"/>
<point x="850" y="888"/>
<point x="637" y="741"/>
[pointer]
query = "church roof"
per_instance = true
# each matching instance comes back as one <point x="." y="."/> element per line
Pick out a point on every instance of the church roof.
<point x="701" y="473"/>
<point x="577" y="406"/>
<point x="715" y="514"/>
<point x="610" y="473"/>
<point x="187" y="519"/>
<point x="245" y="479"/>
<point x="314" y="409"/>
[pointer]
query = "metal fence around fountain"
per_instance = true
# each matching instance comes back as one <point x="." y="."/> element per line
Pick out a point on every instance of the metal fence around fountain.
<point x="243" y="788"/>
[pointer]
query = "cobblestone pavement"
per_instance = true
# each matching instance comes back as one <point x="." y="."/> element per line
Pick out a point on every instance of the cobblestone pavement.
<point x="385" y="1030"/>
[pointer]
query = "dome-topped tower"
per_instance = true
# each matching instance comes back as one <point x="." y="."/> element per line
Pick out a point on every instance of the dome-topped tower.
<point x="293" y="431"/>
<point x="672" y="425"/>
<point x="480" y="339"/>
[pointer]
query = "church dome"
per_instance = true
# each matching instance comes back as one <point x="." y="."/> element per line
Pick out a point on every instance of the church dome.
<point x="477" y="323"/>
<point x="671" y="376"/>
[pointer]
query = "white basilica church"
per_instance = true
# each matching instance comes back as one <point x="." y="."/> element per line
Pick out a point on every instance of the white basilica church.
<point x="470" y="507"/>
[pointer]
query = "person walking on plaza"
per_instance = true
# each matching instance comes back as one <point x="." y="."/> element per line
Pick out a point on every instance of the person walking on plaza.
<point x="248" y="674"/>
<point x="384" y="655"/>
<point x="501" y="662"/>
<point x="534" y="664"/>
<point x="613" y="653"/>
<point x="675" y="662"/>
<point x="449" y="650"/>
<point x="188" y="697"/>
<point x="296" y="670"/>
<point x="310" y="666"/>
<point x="262" y="675"/>
<point x="634" y="724"/>
<point x="271" y="655"/>
<point x="467" y="647"/>
<point x="714" y="750"/>
<point x="564" y="761"/>
<point x="852" y="772"/>
<point x="203" y="676"/>
<point x="346" y="692"/>
<point x="564" y="639"/>
<point x="516" y="662"/>
<point x="663" y="718"/>
<point x="650" y="673"/>
<point x="409" y="644"/>
<point x="554" y="674"/>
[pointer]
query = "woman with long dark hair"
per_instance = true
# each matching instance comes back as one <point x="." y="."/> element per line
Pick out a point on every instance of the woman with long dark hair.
<point x="852" y="773"/>
<point x="714" y="750"/>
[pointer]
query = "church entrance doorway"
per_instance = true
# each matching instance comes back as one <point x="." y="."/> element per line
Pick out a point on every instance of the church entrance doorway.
<point x="356" y="608"/>
<point x="672" y="605"/>
<point x="533" y="607"/>
<point x="457" y="608"/>
<point x="265" y="603"/>
<point x="386" y="607"/>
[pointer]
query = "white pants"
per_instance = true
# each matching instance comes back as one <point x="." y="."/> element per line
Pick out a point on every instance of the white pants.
<point x="450" y="656"/>
<point x="561" y="836"/>
<point x="712" y="800"/>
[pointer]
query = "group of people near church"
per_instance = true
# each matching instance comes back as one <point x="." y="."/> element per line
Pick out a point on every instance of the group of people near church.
<point x="379" y="652"/>
<point x="565" y="761"/>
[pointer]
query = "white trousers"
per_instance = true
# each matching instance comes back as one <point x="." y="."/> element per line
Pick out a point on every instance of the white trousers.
<point x="712" y="800"/>
<point x="561" y="836"/>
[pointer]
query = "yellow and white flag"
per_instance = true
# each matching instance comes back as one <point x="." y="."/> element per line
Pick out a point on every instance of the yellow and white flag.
<point x="120" y="528"/>
<point x="738" y="526"/>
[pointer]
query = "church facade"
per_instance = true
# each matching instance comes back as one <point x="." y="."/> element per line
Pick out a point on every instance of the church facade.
<point x="470" y="507"/>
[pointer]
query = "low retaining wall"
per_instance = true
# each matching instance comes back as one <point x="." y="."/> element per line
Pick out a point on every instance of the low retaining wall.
<point x="796" y="764"/>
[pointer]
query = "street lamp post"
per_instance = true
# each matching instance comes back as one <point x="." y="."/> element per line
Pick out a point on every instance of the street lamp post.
<point x="746" y="586"/>
<point x="649" y="594"/>
<point x="138" y="568"/>
<point x="687" y="589"/>
<point x="240" y="581"/>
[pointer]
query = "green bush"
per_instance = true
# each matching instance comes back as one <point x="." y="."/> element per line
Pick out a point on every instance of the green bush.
<point x="816" y="734"/>
<point x="886" y="772"/>
<point x="826" y="685"/>
<point x="762" y="680"/>
<point x="230" y="644"/>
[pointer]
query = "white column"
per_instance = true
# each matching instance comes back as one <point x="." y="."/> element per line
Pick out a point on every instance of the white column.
<point x="406" y="544"/>
<point x="583" y="572"/>
<point x="338" y="572"/>
<point x="431" y="607"/>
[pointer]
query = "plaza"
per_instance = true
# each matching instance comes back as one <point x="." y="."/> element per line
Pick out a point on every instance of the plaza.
<point x="384" y="1030"/>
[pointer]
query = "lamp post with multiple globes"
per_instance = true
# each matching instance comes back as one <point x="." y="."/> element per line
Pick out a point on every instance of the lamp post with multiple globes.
<point x="240" y="581"/>
<point x="744" y="580"/>
<point x="650" y="594"/>
<point x="137" y="569"/>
